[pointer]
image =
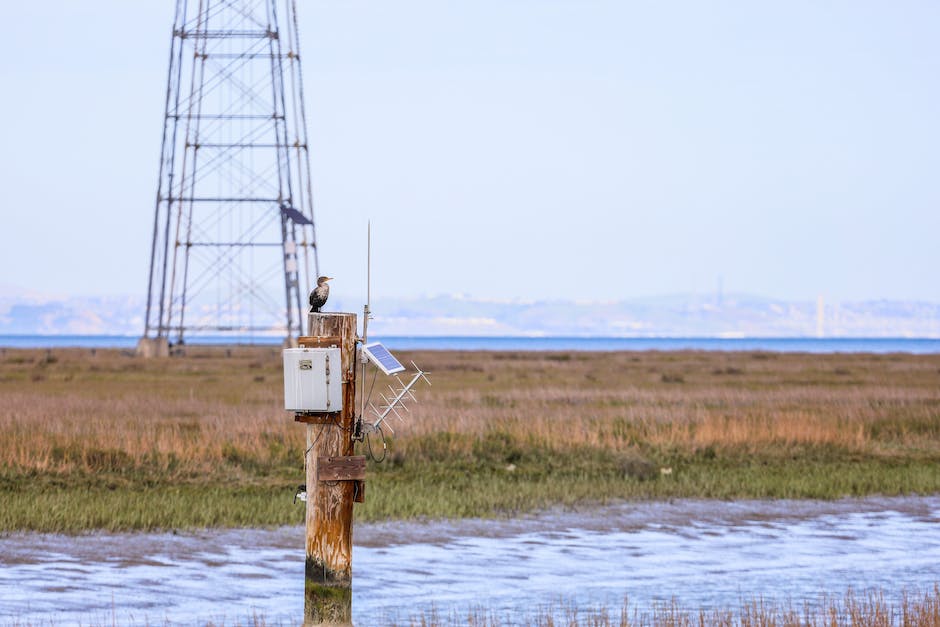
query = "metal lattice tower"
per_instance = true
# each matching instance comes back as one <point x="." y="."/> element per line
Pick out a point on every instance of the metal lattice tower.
<point x="233" y="240"/>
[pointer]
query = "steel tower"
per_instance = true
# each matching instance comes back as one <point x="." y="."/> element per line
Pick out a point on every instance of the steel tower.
<point x="233" y="248"/>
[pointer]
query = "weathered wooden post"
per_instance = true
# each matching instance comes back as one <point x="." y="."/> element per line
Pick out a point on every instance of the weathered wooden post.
<point x="334" y="479"/>
<point x="320" y="387"/>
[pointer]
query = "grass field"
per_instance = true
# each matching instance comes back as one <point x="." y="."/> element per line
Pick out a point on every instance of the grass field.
<point x="101" y="439"/>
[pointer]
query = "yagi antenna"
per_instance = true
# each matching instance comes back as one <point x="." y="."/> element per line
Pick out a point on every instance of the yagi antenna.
<point x="399" y="396"/>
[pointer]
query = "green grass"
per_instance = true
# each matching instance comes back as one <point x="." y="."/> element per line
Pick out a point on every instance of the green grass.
<point x="493" y="484"/>
<point x="469" y="489"/>
<point x="75" y="507"/>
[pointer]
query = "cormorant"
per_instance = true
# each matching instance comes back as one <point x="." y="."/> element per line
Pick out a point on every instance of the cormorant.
<point x="319" y="294"/>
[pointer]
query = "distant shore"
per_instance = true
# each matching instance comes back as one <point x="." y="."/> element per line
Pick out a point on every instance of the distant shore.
<point x="925" y="345"/>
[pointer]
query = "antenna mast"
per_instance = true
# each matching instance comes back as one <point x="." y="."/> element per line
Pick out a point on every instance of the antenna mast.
<point x="366" y="313"/>
<point x="365" y="310"/>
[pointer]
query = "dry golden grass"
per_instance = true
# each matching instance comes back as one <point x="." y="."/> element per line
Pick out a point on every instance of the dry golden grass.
<point x="690" y="400"/>
<point x="67" y="410"/>
<point x="77" y="409"/>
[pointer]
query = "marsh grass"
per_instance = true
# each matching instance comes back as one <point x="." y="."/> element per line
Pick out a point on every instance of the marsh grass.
<point x="851" y="610"/>
<point x="872" y="610"/>
<point x="104" y="439"/>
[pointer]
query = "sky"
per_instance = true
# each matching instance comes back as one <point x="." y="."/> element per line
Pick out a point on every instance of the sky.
<point x="517" y="149"/>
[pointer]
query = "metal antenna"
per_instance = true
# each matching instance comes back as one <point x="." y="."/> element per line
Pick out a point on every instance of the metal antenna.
<point x="400" y="394"/>
<point x="385" y="361"/>
<point x="233" y="228"/>
<point x="366" y="310"/>
<point x="366" y="313"/>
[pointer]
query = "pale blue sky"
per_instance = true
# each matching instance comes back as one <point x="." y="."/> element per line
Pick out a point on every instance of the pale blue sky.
<point x="518" y="148"/>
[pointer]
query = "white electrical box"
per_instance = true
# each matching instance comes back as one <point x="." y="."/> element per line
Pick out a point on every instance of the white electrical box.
<point x="313" y="380"/>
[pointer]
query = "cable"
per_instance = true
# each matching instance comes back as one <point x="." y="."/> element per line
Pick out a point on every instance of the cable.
<point x="312" y="444"/>
<point x="357" y="422"/>
<point x="384" y="447"/>
<point x="375" y="374"/>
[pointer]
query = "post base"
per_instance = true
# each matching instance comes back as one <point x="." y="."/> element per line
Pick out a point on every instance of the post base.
<point x="153" y="347"/>
<point x="327" y="604"/>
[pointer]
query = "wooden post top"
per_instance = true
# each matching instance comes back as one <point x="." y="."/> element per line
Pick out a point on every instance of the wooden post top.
<point x="331" y="325"/>
<point x="328" y="319"/>
<point x="328" y="314"/>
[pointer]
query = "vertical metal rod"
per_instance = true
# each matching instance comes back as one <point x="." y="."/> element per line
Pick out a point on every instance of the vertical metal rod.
<point x="162" y="164"/>
<point x="304" y="176"/>
<point x="179" y="26"/>
<point x="366" y="312"/>
<point x="192" y="184"/>
<point x="292" y="288"/>
<point x="201" y="27"/>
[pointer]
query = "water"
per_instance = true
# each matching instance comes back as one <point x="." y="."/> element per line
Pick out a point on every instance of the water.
<point x="786" y="345"/>
<point x="705" y="554"/>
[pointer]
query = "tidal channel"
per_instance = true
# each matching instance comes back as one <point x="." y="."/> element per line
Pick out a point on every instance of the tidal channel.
<point x="703" y="554"/>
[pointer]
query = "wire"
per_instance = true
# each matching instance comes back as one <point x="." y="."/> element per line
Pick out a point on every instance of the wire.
<point x="312" y="444"/>
<point x="357" y="423"/>
<point x="375" y="374"/>
<point x="336" y="423"/>
<point x="384" y="447"/>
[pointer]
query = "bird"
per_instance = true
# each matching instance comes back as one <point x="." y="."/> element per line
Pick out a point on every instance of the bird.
<point x="319" y="294"/>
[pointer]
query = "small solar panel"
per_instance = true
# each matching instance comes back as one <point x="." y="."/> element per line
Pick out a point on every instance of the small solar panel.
<point x="379" y="355"/>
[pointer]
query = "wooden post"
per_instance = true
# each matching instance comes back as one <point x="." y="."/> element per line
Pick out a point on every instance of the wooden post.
<point x="328" y="571"/>
<point x="150" y="347"/>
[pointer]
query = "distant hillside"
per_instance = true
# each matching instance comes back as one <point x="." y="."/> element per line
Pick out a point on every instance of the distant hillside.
<point x="35" y="314"/>
<point x="677" y="316"/>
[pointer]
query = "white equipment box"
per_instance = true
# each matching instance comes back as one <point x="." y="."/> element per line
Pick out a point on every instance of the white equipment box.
<point x="313" y="380"/>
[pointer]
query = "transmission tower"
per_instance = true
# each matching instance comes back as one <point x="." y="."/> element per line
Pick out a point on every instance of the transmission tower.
<point x="234" y="247"/>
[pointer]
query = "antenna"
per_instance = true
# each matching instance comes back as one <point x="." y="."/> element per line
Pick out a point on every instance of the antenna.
<point x="399" y="396"/>
<point x="366" y="312"/>
<point x="382" y="359"/>
<point x="366" y="309"/>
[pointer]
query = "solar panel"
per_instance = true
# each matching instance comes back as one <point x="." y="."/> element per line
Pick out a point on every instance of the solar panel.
<point x="379" y="355"/>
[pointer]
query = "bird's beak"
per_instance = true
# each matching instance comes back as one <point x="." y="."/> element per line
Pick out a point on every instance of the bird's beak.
<point x="329" y="278"/>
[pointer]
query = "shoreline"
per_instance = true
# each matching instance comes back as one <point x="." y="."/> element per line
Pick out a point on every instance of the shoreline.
<point x="587" y="343"/>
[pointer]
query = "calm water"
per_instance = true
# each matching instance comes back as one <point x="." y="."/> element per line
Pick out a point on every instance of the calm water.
<point x="787" y="345"/>
<point x="705" y="554"/>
